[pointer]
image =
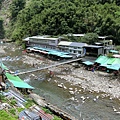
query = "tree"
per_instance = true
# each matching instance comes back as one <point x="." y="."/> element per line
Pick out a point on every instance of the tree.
<point x="15" y="7"/>
<point x="56" y="17"/>
<point x="2" y="32"/>
<point x="90" y="38"/>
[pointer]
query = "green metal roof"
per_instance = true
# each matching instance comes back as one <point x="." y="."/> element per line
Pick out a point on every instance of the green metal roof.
<point x="17" y="82"/>
<point x="107" y="61"/>
<point x="21" y="84"/>
<point x="114" y="51"/>
<point x="117" y="61"/>
<point x="110" y="61"/>
<point x="88" y="63"/>
<point x="104" y="65"/>
<point x="101" y="59"/>
<point x="113" y="67"/>
<point x="3" y="66"/>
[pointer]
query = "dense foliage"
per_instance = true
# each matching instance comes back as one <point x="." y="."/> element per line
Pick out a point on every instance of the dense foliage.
<point x="1" y="29"/>
<point x="1" y="3"/>
<point x="58" y="17"/>
<point x="5" y="116"/>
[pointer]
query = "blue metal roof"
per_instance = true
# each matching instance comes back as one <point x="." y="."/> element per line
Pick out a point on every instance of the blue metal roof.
<point x="66" y="56"/>
<point x="54" y="52"/>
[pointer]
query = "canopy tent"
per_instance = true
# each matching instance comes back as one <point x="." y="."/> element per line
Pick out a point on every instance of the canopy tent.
<point x="104" y="65"/>
<point x="104" y="60"/>
<point x="114" y="51"/>
<point x="17" y="82"/>
<point x="101" y="59"/>
<point x="117" y="61"/>
<point x="109" y="61"/>
<point x="88" y="63"/>
<point x="114" y="67"/>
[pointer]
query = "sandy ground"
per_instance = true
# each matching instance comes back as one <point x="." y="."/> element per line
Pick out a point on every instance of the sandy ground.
<point x="88" y="80"/>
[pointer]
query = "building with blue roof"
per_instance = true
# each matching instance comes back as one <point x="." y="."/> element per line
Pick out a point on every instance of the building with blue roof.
<point x="72" y="47"/>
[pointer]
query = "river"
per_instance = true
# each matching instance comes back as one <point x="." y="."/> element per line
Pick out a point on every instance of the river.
<point x="83" y="105"/>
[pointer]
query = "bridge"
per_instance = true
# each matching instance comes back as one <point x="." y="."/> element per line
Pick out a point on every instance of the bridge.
<point x="46" y="67"/>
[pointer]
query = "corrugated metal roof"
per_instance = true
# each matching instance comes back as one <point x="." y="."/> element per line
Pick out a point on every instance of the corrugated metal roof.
<point x="3" y="66"/>
<point x="101" y="59"/>
<point x="114" y="51"/>
<point x="17" y="82"/>
<point x="66" y="56"/>
<point x="117" y="61"/>
<point x="113" y="67"/>
<point x="42" y="37"/>
<point x="105" y="61"/>
<point x="88" y="63"/>
<point x="76" y="44"/>
<point x="76" y="35"/>
<point x="65" y="43"/>
<point x="93" y="46"/>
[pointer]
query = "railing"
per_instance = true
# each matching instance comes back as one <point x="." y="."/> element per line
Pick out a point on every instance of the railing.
<point x="46" y="67"/>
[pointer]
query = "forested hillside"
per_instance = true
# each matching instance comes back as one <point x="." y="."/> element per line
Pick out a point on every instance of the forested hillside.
<point x="58" y="17"/>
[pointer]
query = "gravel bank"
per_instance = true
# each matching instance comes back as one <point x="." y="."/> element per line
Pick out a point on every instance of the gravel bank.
<point x="88" y="80"/>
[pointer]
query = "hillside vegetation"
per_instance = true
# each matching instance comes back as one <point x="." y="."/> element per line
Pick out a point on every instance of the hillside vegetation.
<point x="58" y="17"/>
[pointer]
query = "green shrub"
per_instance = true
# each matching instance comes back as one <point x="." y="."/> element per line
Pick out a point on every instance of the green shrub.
<point x="13" y="102"/>
<point x="110" y="55"/>
<point x="46" y="110"/>
<point x="57" y="118"/>
<point x="12" y="111"/>
<point x="29" y="103"/>
<point x="20" y="109"/>
<point x="5" y="116"/>
<point x="117" y="47"/>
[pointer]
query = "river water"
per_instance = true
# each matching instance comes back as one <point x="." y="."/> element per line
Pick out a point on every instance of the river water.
<point x="83" y="105"/>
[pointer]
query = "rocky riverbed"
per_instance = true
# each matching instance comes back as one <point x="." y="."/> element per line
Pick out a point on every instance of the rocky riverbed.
<point x="88" y="80"/>
<point x="72" y="78"/>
